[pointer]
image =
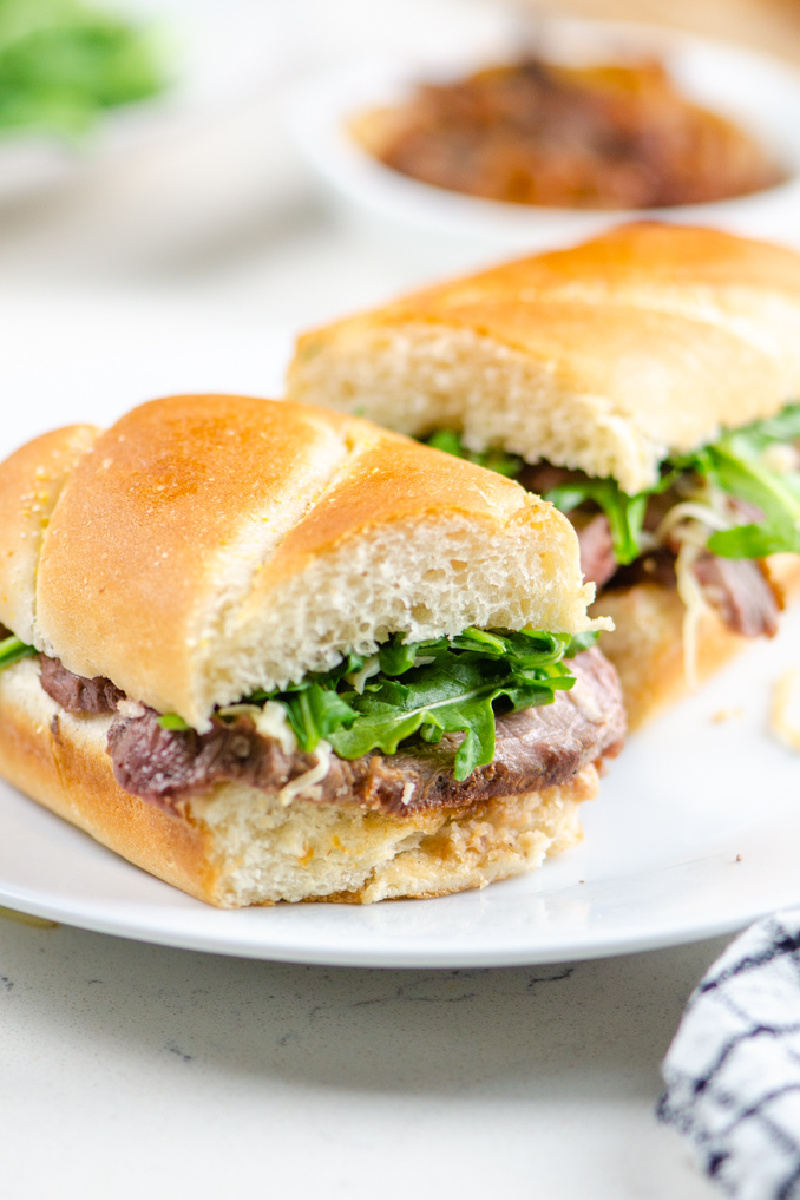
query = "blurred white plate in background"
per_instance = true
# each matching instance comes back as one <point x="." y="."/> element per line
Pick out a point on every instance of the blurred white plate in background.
<point x="760" y="93"/>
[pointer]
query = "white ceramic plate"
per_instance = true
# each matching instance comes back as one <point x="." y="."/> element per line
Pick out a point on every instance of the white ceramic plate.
<point x="659" y="863"/>
<point x="760" y="93"/>
<point x="696" y="832"/>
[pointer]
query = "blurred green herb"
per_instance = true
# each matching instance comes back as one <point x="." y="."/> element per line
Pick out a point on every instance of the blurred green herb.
<point x="64" y="63"/>
<point x="497" y="460"/>
<point x="12" y="650"/>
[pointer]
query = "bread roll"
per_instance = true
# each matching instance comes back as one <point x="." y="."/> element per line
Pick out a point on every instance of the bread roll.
<point x="206" y="546"/>
<point x="647" y="341"/>
<point x="237" y="846"/>
<point x="607" y="357"/>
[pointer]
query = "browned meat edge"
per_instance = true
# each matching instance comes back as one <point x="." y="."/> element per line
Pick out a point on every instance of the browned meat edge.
<point x="738" y="590"/>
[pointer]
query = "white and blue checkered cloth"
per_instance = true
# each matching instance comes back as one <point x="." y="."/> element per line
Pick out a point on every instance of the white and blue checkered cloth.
<point x="732" y="1073"/>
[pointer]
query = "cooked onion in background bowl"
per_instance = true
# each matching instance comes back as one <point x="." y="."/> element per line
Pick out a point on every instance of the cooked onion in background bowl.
<point x="735" y="123"/>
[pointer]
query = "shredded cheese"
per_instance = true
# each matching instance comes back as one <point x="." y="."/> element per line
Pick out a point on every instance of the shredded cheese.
<point x="271" y="722"/>
<point x="688" y="523"/>
<point x="358" y="678"/>
<point x="305" y="784"/>
<point x="694" y="606"/>
<point x="408" y="792"/>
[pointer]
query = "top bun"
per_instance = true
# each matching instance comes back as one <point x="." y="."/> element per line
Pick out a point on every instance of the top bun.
<point x="607" y="357"/>
<point x="204" y="546"/>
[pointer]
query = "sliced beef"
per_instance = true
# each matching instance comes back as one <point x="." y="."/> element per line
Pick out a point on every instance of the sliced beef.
<point x="655" y="566"/>
<point x="740" y="593"/>
<point x="598" y="560"/>
<point x="543" y="476"/>
<point x="75" y="693"/>
<point x="737" y="590"/>
<point x="536" y="748"/>
<point x="594" y="532"/>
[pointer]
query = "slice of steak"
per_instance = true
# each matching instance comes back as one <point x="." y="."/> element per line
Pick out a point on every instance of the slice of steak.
<point x="655" y="566"/>
<point x="76" y="694"/>
<point x="740" y="593"/>
<point x="535" y="749"/>
<point x="598" y="560"/>
<point x="543" y="476"/>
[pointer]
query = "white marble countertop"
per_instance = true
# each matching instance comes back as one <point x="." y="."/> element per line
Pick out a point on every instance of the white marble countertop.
<point x="130" y="1070"/>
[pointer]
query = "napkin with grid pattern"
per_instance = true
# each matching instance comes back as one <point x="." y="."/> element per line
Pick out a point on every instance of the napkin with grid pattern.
<point x="732" y="1073"/>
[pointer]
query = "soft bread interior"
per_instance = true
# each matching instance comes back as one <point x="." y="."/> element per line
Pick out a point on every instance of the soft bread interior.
<point x="205" y="546"/>
<point x="239" y="846"/>
<point x="314" y="851"/>
<point x="420" y="578"/>
<point x="605" y="357"/>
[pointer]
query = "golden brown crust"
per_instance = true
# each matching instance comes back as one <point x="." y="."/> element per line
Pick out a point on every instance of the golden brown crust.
<point x="61" y="762"/>
<point x="654" y="336"/>
<point x="139" y="524"/>
<point x="650" y="254"/>
<point x="63" y="766"/>
<point x="30" y="484"/>
<point x="646" y="645"/>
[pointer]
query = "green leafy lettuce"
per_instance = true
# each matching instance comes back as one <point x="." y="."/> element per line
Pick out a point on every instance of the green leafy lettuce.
<point x="625" y="513"/>
<point x="735" y="465"/>
<point x="12" y="650"/>
<point x="63" y="63"/>
<point x="497" y="460"/>
<point x="427" y="689"/>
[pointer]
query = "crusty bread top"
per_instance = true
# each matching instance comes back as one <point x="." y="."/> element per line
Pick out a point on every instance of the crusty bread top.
<point x="30" y="484"/>
<point x="207" y="545"/>
<point x="607" y="356"/>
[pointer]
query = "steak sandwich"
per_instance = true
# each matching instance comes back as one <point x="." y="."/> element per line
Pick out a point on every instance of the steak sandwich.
<point x="268" y="652"/>
<point x="647" y="383"/>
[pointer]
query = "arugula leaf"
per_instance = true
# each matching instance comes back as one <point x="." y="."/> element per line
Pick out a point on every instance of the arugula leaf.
<point x="783" y="427"/>
<point x="625" y="513"/>
<point x="427" y="689"/>
<point x="581" y="641"/>
<point x="12" y="649"/>
<point x="450" y="441"/>
<point x="173" y="722"/>
<point x="315" y="713"/>
<point x="455" y="693"/>
<point x="734" y="465"/>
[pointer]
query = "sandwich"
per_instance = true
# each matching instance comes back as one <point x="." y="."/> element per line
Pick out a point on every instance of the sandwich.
<point x="268" y="652"/>
<point x="647" y="383"/>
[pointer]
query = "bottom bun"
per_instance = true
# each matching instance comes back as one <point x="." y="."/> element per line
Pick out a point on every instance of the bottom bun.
<point x="646" y="645"/>
<point x="240" y="846"/>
